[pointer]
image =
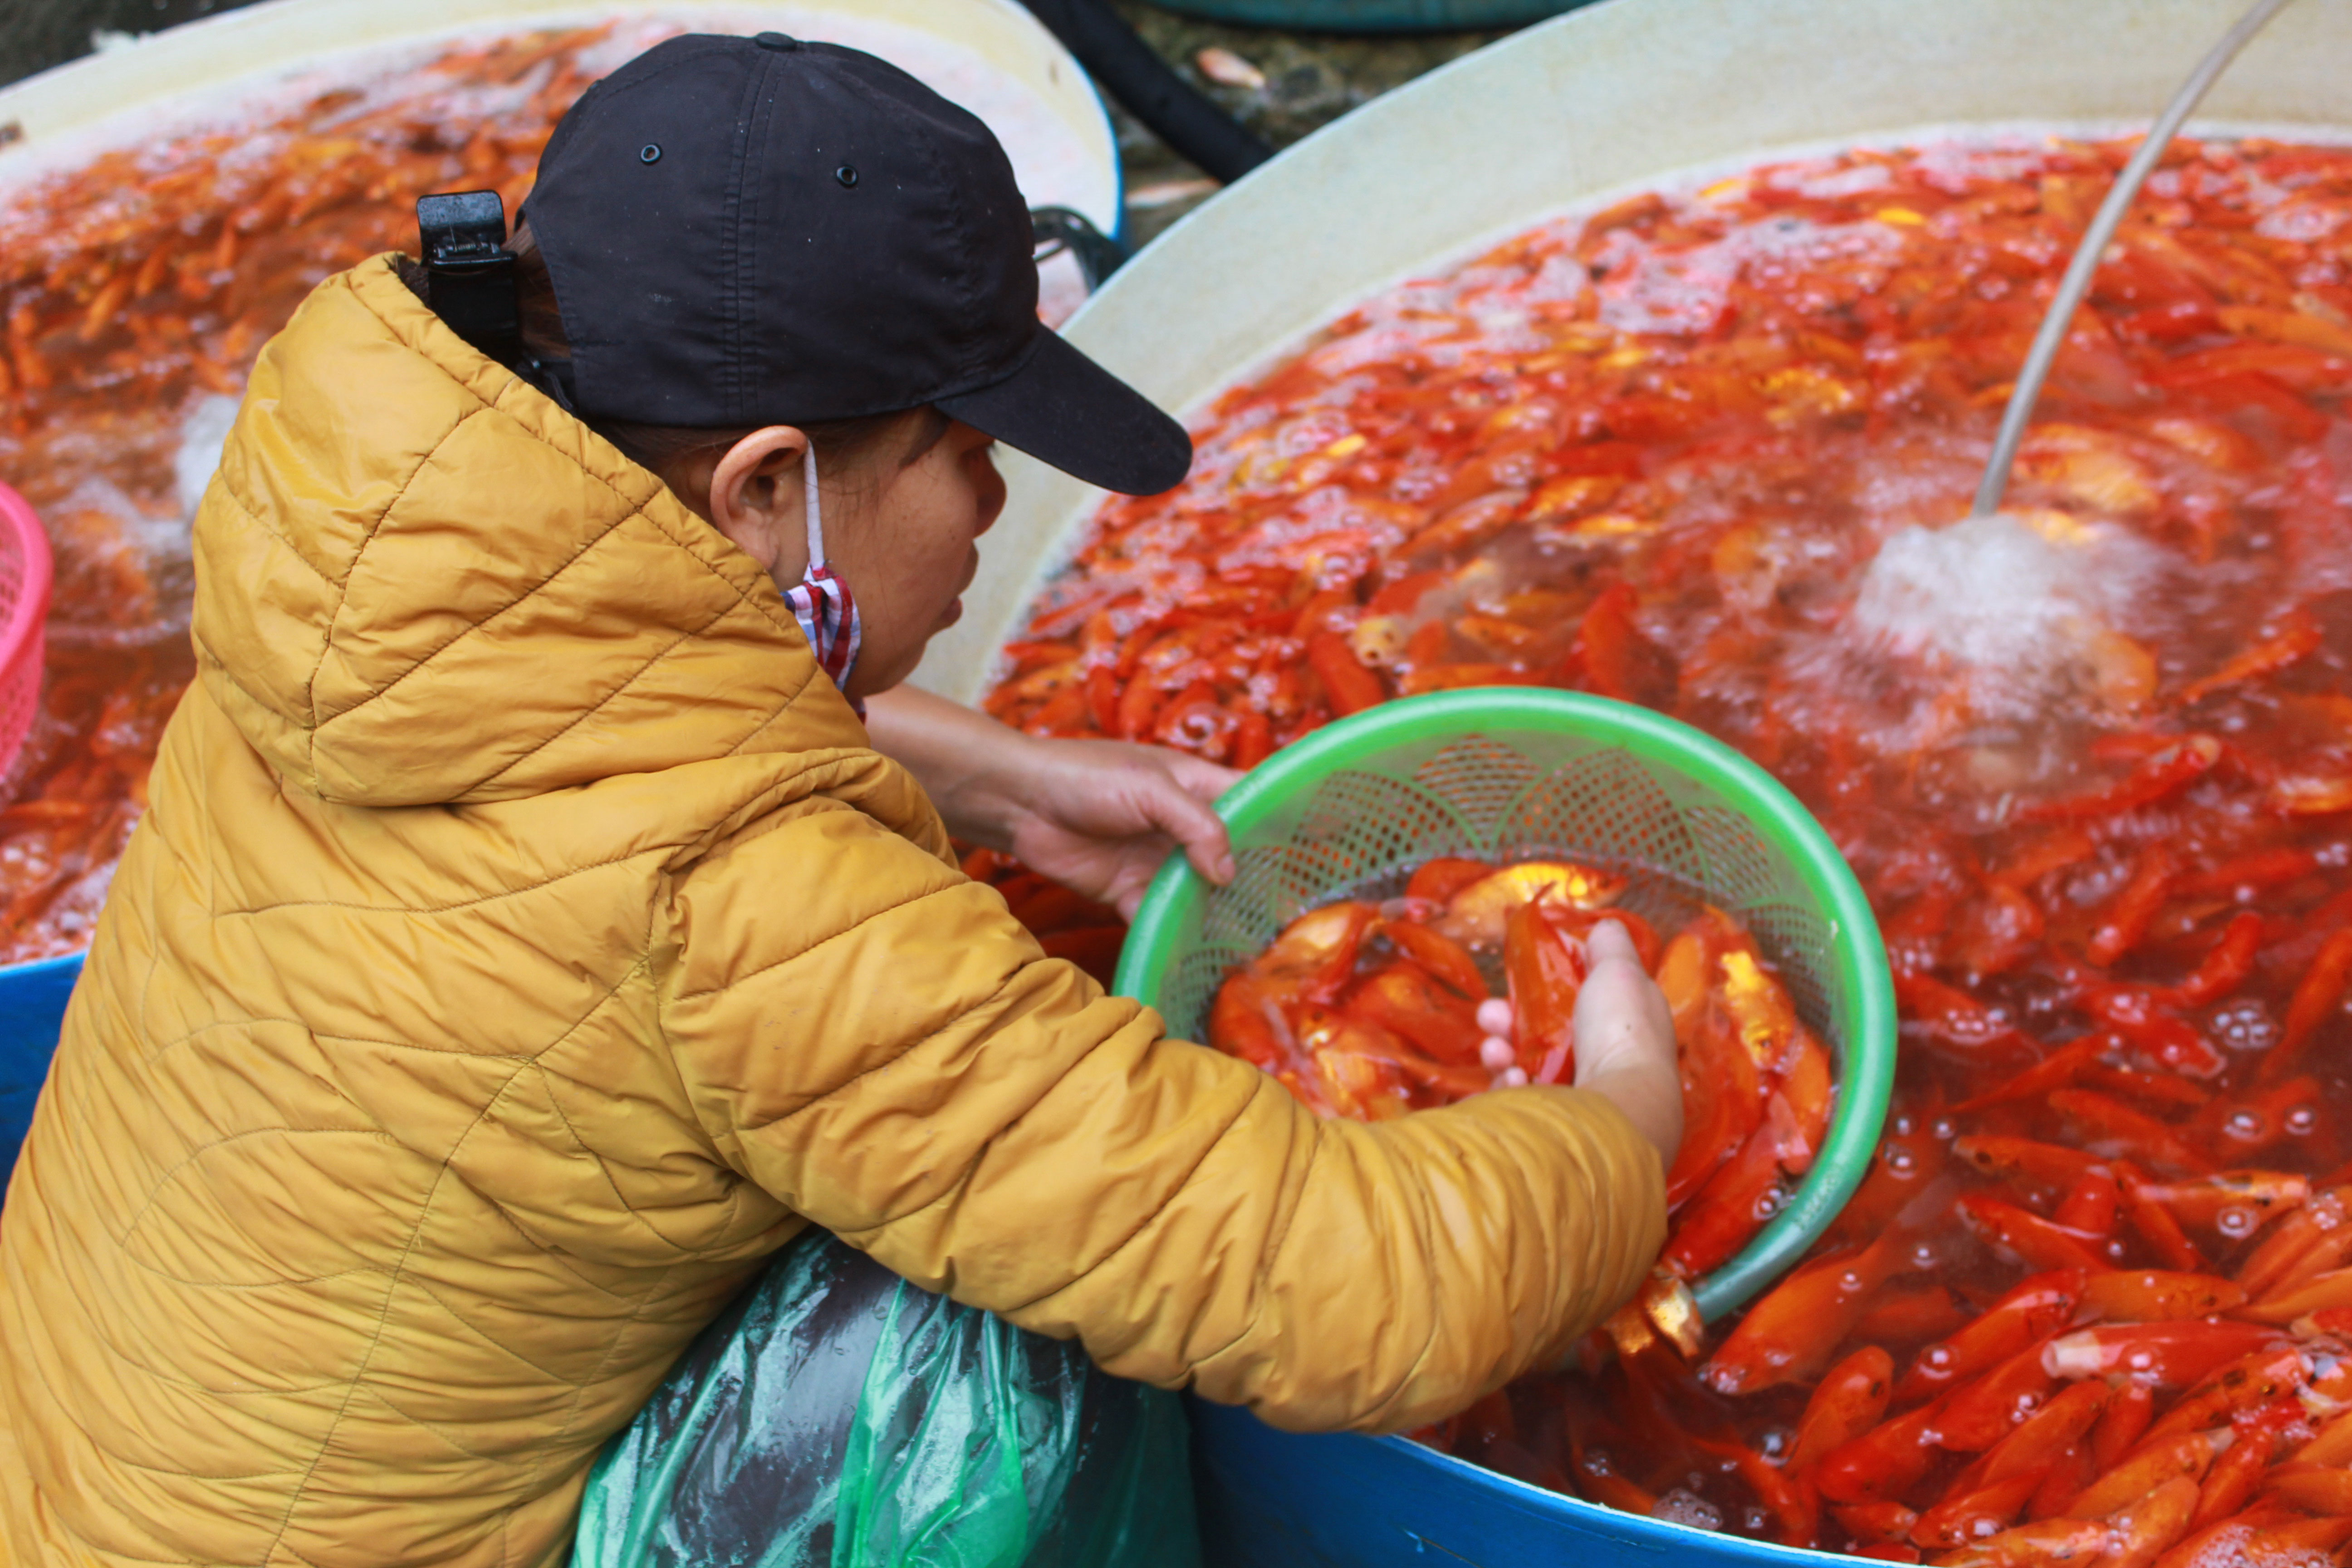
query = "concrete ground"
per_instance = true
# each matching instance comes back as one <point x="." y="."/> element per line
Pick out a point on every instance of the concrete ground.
<point x="37" y="33"/>
<point x="1284" y="86"/>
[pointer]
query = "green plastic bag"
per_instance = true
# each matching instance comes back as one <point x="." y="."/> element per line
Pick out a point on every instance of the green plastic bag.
<point x="836" y="1416"/>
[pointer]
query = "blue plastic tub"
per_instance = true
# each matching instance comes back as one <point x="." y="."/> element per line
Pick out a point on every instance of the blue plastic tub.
<point x="1278" y="1499"/>
<point x="32" y="1010"/>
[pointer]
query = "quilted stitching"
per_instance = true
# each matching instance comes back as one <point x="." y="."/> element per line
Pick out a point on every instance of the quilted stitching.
<point x="375" y="526"/>
<point x="345" y="739"/>
<point x="598" y="707"/>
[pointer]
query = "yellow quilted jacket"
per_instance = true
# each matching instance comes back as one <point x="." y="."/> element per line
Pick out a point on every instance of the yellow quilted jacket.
<point x="523" y="942"/>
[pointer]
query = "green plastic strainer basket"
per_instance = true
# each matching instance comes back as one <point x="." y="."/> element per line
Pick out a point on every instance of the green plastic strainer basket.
<point x="1506" y="773"/>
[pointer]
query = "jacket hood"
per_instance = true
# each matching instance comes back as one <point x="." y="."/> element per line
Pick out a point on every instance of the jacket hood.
<point x="420" y="581"/>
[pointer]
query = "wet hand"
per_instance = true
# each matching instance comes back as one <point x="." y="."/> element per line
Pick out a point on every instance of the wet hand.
<point x="1625" y="1041"/>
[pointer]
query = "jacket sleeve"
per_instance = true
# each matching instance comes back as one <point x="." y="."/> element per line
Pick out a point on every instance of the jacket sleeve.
<point x="872" y="1038"/>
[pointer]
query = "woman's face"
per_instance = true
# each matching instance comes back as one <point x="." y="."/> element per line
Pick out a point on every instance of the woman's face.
<point x="911" y="546"/>
<point x="901" y="527"/>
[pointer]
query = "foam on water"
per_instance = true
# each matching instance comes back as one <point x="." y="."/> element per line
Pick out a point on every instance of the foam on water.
<point x="2000" y="605"/>
<point x="1688" y="290"/>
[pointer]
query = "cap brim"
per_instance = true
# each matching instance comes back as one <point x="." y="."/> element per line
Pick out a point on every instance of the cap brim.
<point x="1062" y="408"/>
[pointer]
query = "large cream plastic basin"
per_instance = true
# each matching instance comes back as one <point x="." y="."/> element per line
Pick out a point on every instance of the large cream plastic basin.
<point x="1617" y="95"/>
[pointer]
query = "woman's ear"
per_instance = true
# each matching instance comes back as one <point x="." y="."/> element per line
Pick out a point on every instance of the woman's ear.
<point x="756" y="499"/>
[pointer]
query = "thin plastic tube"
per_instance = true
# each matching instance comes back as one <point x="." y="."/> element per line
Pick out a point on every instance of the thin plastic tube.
<point x="2102" y="232"/>
<point x="1117" y="57"/>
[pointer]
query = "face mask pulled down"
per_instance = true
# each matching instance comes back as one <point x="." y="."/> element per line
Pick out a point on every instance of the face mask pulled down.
<point x="820" y="600"/>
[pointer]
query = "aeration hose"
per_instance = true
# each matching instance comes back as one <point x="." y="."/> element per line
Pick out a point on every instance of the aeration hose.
<point x="2095" y="239"/>
<point x="1127" y="69"/>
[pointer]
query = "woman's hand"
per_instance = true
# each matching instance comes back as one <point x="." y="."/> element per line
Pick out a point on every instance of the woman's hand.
<point x="1100" y="817"/>
<point x="1625" y="1041"/>
<point x="1097" y="816"/>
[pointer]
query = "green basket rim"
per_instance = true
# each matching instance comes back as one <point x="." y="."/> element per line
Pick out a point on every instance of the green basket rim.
<point x="1867" y="1070"/>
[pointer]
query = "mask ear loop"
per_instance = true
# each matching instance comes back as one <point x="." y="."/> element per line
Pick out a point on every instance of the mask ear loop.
<point x="813" y="511"/>
<point x="820" y="601"/>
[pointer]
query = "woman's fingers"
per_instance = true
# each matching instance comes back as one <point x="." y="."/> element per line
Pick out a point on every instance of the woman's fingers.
<point x="1100" y="817"/>
<point x="1621" y="1013"/>
<point x="1609" y="941"/>
<point x="1625" y="1041"/>
<point x="1128" y="891"/>
<point x="1204" y="779"/>
<point x="1179" y="806"/>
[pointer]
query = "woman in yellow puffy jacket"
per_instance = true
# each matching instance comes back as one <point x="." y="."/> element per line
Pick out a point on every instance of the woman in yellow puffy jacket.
<point x="526" y="938"/>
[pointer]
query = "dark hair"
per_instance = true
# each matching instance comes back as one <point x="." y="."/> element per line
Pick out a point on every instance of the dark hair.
<point x="841" y="444"/>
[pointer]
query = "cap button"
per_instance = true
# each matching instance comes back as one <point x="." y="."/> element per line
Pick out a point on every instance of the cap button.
<point x="776" y="41"/>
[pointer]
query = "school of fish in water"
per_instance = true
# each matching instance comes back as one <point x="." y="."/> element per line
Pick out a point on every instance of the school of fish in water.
<point x="2092" y="760"/>
<point x="1372" y="1009"/>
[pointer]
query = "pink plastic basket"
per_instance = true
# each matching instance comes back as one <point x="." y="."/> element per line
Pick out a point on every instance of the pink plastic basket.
<point x="24" y="572"/>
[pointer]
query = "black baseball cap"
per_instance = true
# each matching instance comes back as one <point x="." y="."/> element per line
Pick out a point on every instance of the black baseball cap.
<point x="763" y="231"/>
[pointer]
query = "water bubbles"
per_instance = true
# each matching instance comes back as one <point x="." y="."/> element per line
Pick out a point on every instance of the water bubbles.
<point x="1753" y="1520"/>
<point x="2237" y="1222"/>
<point x="1899" y="1159"/>
<point x="1682" y="1506"/>
<point x="1801" y="177"/>
<point x="1923" y="1257"/>
<point x="2301" y="1120"/>
<point x="2246" y="1124"/>
<point x="2299" y="221"/>
<point x="1943" y="1130"/>
<point x="2243" y="1025"/>
<point x="1774" y="1443"/>
<point x="2009" y="612"/>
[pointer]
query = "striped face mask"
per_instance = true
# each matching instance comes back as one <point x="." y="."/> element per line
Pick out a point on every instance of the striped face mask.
<point x="820" y="601"/>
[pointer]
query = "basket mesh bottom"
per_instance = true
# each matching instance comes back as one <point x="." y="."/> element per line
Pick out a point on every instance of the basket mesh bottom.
<point x="1500" y="797"/>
